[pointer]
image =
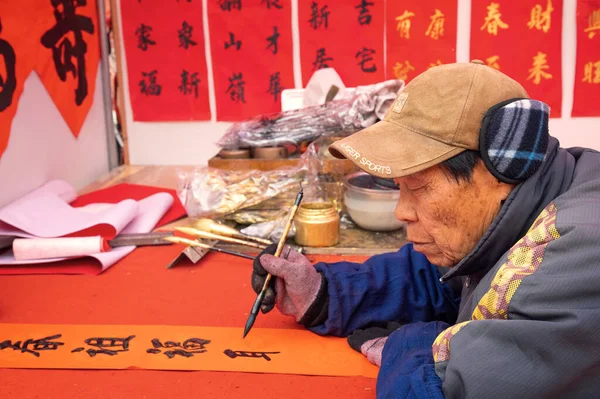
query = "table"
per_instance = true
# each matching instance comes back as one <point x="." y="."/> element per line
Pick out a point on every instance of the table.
<point x="139" y="290"/>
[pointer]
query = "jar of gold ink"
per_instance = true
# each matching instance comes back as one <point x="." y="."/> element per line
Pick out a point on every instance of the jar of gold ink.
<point x="317" y="224"/>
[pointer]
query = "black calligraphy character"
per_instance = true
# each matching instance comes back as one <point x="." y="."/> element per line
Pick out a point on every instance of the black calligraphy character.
<point x="233" y="42"/>
<point x="185" y="36"/>
<point x="275" y="86"/>
<point x="236" y="88"/>
<point x="190" y="347"/>
<point x="256" y="355"/>
<point x="364" y="16"/>
<point x="273" y="40"/>
<point x="33" y="346"/>
<point x="228" y="5"/>
<point x="62" y="53"/>
<point x="365" y="57"/>
<point x="106" y="346"/>
<point x="189" y="83"/>
<point x="143" y="35"/>
<point x="321" y="60"/>
<point x="148" y="84"/>
<point x="272" y="3"/>
<point x="8" y="84"/>
<point x="318" y="17"/>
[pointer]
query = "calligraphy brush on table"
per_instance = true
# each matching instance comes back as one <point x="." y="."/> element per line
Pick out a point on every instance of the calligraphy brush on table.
<point x="192" y="243"/>
<point x="191" y="231"/>
<point x="261" y="295"/>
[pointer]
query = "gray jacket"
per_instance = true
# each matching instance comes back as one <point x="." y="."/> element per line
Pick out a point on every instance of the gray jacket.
<point x="529" y="321"/>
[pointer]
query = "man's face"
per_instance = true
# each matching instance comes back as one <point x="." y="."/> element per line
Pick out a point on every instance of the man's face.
<point x="445" y="218"/>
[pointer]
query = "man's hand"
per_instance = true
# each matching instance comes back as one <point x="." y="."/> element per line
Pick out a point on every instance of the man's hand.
<point x="296" y="285"/>
<point x="370" y="341"/>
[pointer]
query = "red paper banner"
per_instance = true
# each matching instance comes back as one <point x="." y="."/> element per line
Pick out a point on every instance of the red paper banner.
<point x="251" y="47"/>
<point x="68" y="56"/>
<point x="166" y="60"/>
<point x="343" y="34"/>
<point x="587" y="74"/>
<point x="420" y="34"/>
<point x="523" y="40"/>
<point x="61" y="43"/>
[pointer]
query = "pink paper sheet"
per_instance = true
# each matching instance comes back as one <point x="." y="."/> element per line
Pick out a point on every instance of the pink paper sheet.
<point x="46" y="212"/>
<point x="127" y="216"/>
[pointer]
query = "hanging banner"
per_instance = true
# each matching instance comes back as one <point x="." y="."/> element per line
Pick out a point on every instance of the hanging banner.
<point x="420" y="34"/>
<point x="166" y="60"/>
<point x="587" y="72"/>
<point x="68" y="56"/>
<point x="346" y="35"/>
<point x="158" y="347"/>
<point x="523" y="40"/>
<point x="251" y="47"/>
<point x="15" y="64"/>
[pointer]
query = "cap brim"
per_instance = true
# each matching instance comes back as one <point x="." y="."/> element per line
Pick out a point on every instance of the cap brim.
<point x="389" y="150"/>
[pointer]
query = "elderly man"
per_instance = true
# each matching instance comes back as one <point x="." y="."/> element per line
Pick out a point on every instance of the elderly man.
<point x="511" y="222"/>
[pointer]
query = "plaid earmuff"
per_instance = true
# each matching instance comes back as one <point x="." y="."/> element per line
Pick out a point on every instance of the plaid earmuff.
<point x="514" y="139"/>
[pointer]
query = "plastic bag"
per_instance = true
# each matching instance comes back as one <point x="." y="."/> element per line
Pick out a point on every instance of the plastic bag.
<point x="356" y="109"/>
<point x="209" y="192"/>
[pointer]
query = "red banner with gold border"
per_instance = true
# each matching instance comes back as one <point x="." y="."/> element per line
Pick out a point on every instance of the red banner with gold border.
<point x="166" y="60"/>
<point x="587" y="73"/>
<point x="419" y="34"/>
<point x="252" y="57"/>
<point x="522" y="39"/>
<point x="346" y="35"/>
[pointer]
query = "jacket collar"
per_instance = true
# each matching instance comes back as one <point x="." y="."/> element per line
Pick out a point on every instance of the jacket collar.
<point x="525" y="202"/>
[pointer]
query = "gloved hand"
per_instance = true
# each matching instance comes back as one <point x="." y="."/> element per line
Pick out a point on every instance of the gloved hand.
<point x="297" y="283"/>
<point x="370" y="341"/>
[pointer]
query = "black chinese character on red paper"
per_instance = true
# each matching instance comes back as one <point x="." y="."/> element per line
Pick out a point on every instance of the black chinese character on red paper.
<point x="318" y="16"/>
<point x="144" y="39"/>
<point x="58" y="39"/>
<point x="148" y="84"/>
<point x="254" y="355"/>
<point x="33" y="346"/>
<point x="106" y="346"/>
<point x="185" y="36"/>
<point x="189" y="348"/>
<point x="8" y="82"/>
<point x="189" y="83"/>
<point x="236" y="88"/>
<point x="228" y="5"/>
<point x="272" y="3"/>
<point x="364" y="15"/>
<point x="273" y="41"/>
<point x="275" y="86"/>
<point x="232" y="42"/>
<point x="321" y="60"/>
<point x="365" y="57"/>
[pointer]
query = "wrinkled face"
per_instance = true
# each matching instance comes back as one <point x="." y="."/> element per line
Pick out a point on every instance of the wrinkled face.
<point x="444" y="218"/>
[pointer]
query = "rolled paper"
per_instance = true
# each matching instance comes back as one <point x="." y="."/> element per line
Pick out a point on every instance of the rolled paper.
<point x="62" y="247"/>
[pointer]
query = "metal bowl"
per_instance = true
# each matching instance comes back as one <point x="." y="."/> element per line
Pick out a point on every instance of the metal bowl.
<point x="371" y="203"/>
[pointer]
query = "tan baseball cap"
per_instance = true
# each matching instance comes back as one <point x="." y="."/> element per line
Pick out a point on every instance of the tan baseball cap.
<point x="437" y="116"/>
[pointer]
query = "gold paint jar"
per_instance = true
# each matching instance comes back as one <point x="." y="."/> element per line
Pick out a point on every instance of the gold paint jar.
<point x="317" y="225"/>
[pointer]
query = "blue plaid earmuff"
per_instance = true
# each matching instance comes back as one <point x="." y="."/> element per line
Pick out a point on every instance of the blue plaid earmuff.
<point x="514" y="138"/>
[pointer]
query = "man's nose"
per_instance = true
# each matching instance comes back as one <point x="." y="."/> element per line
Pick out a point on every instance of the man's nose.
<point x="404" y="211"/>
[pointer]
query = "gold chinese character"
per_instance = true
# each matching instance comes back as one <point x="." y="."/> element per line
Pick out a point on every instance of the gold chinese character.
<point x="541" y="19"/>
<point x="436" y="26"/>
<point x="594" y="24"/>
<point x="591" y="72"/>
<point x="401" y="70"/>
<point x="492" y="62"/>
<point x="537" y="72"/>
<point x="493" y="20"/>
<point x="404" y="24"/>
<point x="434" y="64"/>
